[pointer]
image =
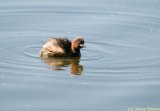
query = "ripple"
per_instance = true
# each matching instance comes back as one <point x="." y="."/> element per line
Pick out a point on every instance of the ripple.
<point x="121" y="54"/>
<point x="20" y="56"/>
<point x="87" y="54"/>
<point x="119" y="44"/>
<point x="100" y="59"/>
<point x="26" y="57"/>
<point x="90" y="55"/>
<point x="104" y="61"/>
<point x="32" y="51"/>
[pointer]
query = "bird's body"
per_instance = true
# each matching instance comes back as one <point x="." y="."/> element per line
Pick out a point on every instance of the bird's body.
<point x="62" y="47"/>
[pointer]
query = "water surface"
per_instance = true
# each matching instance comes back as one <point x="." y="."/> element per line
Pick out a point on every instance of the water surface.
<point x="119" y="67"/>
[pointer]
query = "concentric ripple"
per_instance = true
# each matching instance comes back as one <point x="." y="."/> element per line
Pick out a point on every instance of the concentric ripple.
<point x="26" y="57"/>
<point x="32" y="51"/>
<point x="111" y="59"/>
<point x="120" y="65"/>
<point x="118" y="43"/>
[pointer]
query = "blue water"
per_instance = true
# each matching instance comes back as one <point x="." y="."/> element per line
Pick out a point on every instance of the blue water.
<point x="119" y="68"/>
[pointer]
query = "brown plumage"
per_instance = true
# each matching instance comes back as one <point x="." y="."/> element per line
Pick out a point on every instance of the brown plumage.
<point x="62" y="47"/>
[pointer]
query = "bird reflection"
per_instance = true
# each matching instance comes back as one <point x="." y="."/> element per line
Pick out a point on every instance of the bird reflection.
<point x="60" y="64"/>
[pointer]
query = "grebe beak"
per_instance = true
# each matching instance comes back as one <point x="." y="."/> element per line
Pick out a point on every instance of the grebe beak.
<point x="82" y="45"/>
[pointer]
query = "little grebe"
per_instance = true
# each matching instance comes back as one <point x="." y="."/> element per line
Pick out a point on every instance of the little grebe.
<point x="62" y="47"/>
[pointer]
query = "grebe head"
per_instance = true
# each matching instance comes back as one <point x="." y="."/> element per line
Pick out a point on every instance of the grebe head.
<point x="77" y="43"/>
